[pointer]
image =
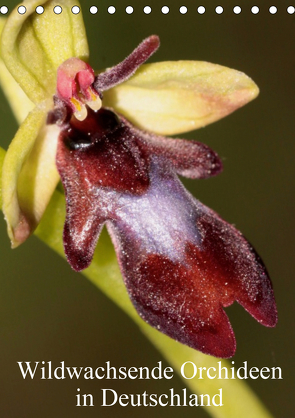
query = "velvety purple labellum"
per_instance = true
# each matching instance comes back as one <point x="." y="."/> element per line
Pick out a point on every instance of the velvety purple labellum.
<point x="180" y="261"/>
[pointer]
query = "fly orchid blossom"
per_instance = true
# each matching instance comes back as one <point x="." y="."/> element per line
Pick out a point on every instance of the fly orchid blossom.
<point x="180" y="261"/>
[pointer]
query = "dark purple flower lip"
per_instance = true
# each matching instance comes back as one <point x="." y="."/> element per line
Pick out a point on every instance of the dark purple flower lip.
<point x="180" y="261"/>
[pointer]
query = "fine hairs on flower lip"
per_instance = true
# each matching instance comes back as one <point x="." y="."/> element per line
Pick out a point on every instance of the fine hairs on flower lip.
<point x="180" y="261"/>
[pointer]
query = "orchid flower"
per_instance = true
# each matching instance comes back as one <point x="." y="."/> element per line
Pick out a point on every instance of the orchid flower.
<point x="103" y="133"/>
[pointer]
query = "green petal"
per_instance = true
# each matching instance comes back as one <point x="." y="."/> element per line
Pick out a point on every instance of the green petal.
<point x="238" y="398"/>
<point x="33" y="46"/>
<point x="19" y="102"/>
<point x="29" y="174"/>
<point x="174" y="97"/>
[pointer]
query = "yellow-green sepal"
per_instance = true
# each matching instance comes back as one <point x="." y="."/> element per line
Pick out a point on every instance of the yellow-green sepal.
<point x="19" y="102"/>
<point x="174" y="97"/>
<point x="29" y="174"/>
<point x="33" y="46"/>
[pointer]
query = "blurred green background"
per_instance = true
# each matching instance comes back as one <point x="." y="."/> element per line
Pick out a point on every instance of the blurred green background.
<point x="50" y="313"/>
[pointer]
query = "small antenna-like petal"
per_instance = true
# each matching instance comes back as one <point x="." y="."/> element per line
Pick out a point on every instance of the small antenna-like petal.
<point x="127" y="68"/>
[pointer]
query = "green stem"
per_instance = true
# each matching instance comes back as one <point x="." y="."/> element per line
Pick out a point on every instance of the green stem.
<point x="238" y="399"/>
